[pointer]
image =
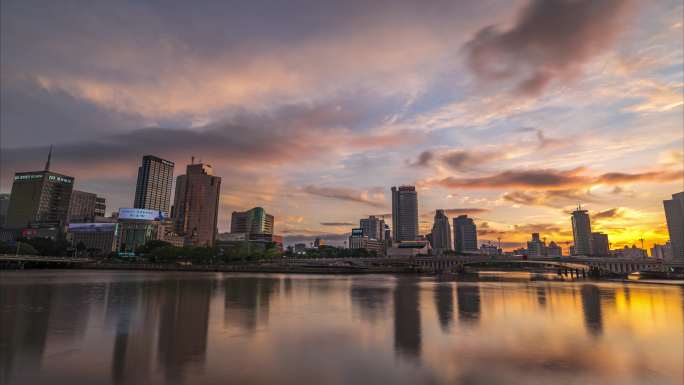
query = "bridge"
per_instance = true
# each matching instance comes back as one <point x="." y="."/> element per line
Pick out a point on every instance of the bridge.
<point x="597" y="266"/>
<point x="22" y="261"/>
<point x="426" y="264"/>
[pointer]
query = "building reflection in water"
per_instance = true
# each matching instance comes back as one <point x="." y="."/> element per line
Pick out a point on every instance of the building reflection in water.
<point x="371" y="301"/>
<point x="407" y="333"/>
<point x="24" y="318"/>
<point x="541" y="296"/>
<point x="136" y="326"/>
<point x="247" y="301"/>
<point x="444" y="302"/>
<point x="468" y="296"/>
<point x="183" y="326"/>
<point x="591" y="307"/>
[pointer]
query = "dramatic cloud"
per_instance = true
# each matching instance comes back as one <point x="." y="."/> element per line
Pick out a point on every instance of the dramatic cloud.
<point x="465" y="160"/>
<point x="346" y="194"/>
<point x="549" y="179"/>
<point x="608" y="214"/>
<point x="551" y="39"/>
<point x="424" y="159"/>
<point x="550" y="198"/>
<point x="249" y="141"/>
<point x="337" y="224"/>
<point x="457" y="160"/>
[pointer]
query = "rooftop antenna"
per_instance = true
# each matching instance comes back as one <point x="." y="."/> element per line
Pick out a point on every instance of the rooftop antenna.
<point x="47" y="164"/>
<point x="192" y="159"/>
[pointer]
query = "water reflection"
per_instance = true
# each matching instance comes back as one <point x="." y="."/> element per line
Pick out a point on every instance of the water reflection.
<point x="247" y="301"/>
<point x="444" y="302"/>
<point x="407" y="333"/>
<point x="140" y="328"/>
<point x="134" y="340"/>
<point x="468" y="295"/>
<point x="591" y="307"/>
<point x="24" y="318"/>
<point x="371" y="300"/>
<point x="183" y="326"/>
<point x="541" y="296"/>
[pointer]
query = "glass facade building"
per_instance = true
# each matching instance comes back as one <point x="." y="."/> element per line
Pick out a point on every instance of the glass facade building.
<point x="153" y="189"/>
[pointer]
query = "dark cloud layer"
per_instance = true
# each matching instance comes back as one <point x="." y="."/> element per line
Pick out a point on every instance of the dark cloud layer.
<point x="466" y="210"/>
<point x="551" y="39"/>
<point x="457" y="160"/>
<point x="244" y="141"/>
<point x="558" y="180"/>
<point x="608" y="214"/>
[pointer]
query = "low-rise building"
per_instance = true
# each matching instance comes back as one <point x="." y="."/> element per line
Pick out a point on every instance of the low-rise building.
<point x="536" y="247"/>
<point x="553" y="250"/>
<point x="139" y="226"/>
<point x="360" y="241"/>
<point x="99" y="239"/>
<point x="663" y="252"/>
<point x="630" y="252"/>
<point x="599" y="245"/>
<point x="489" y="249"/>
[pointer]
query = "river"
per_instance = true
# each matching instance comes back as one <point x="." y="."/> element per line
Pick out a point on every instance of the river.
<point x="100" y="327"/>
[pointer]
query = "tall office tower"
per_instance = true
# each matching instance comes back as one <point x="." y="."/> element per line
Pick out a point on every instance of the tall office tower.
<point x="153" y="190"/>
<point x="536" y="247"/>
<point x="441" y="232"/>
<point x="4" y="206"/>
<point x="39" y="197"/>
<point x="599" y="245"/>
<point x="404" y="213"/>
<point x="254" y="221"/>
<point x="581" y="232"/>
<point x="674" y="214"/>
<point x="373" y="227"/>
<point x="465" y="234"/>
<point x="196" y="205"/>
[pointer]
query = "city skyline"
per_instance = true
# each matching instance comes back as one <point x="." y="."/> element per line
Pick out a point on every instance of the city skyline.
<point x="596" y="119"/>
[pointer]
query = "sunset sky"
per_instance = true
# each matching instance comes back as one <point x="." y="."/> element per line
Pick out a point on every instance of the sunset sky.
<point x="509" y="111"/>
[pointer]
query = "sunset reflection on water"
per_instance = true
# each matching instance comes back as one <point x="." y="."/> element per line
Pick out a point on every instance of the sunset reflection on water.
<point x="82" y="327"/>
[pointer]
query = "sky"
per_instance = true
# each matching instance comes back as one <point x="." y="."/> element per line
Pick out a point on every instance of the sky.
<point x="512" y="112"/>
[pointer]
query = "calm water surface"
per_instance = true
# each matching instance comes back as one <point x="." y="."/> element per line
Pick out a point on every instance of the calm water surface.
<point x="83" y="327"/>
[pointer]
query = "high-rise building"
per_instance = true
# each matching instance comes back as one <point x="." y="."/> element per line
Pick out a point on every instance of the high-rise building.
<point x="674" y="214"/>
<point x="404" y="213"/>
<point x="599" y="245"/>
<point x="581" y="232"/>
<point x="196" y="205"/>
<point x="465" y="234"/>
<point x="373" y="227"/>
<point x="441" y="233"/>
<point x="153" y="190"/>
<point x="4" y="206"/>
<point x="254" y="221"/>
<point x="40" y="198"/>
<point x="85" y="206"/>
<point x="536" y="247"/>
